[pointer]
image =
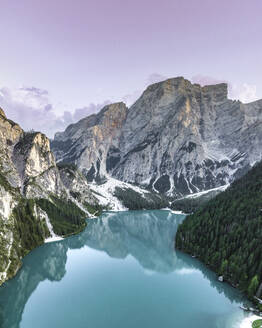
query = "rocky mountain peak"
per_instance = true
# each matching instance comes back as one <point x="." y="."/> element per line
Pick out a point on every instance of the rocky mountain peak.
<point x="41" y="141"/>
<point x="219" y="92"/>
<point x="2" y="113"/>
<point x="10" y="132"/>
<point x="32" y="156"/>
<point x="87" y="142"/>
<point x="114" y="107"/>
<point x="180" y="85"/>
<point x="112" y="116"/>
<point x="177" y="138"/>
<point x="173" y="86"/>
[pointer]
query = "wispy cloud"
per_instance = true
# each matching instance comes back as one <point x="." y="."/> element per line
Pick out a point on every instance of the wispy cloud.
<point x="206" y="80"/>
<point x="154" y="78"/>
<point x="130" y="98"/>
<point x="32" y="109"/>
<point x="244" y="92"/>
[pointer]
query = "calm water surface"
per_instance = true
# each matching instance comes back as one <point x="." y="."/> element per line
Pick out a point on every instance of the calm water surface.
<point x="122" y="271"/>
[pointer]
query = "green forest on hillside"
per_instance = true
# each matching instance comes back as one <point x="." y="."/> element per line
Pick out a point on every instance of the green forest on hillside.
<point x="226" y="233"/>
<point x="65" y="216"/>
<point x="135" y="201"/>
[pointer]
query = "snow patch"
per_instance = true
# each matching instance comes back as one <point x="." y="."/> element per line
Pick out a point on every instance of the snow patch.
<point x="177" y="212"/>
<point x="3" y="275"/>
<point x="172" y="211"/>
<point x="90" y="216"/>
<point x="52" y="239"/>
<point x="105" y="193"/>
<point x="43" y="216"/>
<point x="247" y="322"/>
<point x="7" y="204"/>
<point x="198" y="194"/>
<point x="188" y="186"/>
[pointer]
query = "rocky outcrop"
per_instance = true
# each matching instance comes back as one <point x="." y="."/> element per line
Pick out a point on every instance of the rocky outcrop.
<point x="36" y="166"/>
<point x="78" y="188"/>
<point x="88" y="142"/>
<point x="31" y="189"/>
<point x="32" y="155"/>
<point x="40" y="199"/>
<point x="177" y="138"/>
<point x="10" y="134"/>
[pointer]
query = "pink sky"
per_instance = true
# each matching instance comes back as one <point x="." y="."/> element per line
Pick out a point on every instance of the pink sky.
<point x="85" y="52"/>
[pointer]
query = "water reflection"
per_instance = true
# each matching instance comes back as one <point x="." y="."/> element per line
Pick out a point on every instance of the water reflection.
<point x="148" y="236"/>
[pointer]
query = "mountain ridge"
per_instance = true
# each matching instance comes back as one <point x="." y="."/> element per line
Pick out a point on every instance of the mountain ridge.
<point x="41" y="200"/>
<point x="32" y="192"/>
<point x="177" y="138"/>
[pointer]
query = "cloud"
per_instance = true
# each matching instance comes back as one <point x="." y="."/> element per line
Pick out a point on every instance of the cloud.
<point x="32" y="109"/>
<point x="130" y="98"/>
<point x="92" y="108"/>
<point x="244" y="92"/>
<point x="155" y="78"/>
<point x="206" y="80"/>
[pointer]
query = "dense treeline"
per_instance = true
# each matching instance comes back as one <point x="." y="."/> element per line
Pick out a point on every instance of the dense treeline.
<point x="65" y="216"/>
<point x="94" y="209"/>
<point x="226" y="233"/>
<point x="187" y="205"/>
<point x="190" y="204"/>
<point x="32" y="231"/>
<point x="29" y="231"/>
<point x="135" y="201"/>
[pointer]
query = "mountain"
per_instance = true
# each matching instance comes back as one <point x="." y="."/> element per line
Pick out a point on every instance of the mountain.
<point x="36" y="202"/>
<point x="177" y="138"/>
<point x="226" y="233"/>
<point x="88" y="142"/>
<point x="40" y="199"/>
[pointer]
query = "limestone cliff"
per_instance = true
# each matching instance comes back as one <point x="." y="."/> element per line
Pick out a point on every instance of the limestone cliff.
<point x="177" y="138"/>
<point x="88" y="142"/>
<point x="32" y="196"/>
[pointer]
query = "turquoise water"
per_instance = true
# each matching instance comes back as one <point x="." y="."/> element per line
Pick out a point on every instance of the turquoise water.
<point x="122" y="271"/>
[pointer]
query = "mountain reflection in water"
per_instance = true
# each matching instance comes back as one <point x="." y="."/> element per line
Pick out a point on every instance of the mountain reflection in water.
<point x="148" y="236"/>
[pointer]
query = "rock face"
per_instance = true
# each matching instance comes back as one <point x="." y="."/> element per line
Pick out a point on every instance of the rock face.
<point x="178" y="138"/>
<point x="36" y="166"/>
<point x="29" y="174"/>
<point x="40" y="198"/>
<point x="88" y="142"/>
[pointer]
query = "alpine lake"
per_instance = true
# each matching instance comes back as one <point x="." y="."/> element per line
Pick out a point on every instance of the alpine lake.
<point x="121" y="271"/>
